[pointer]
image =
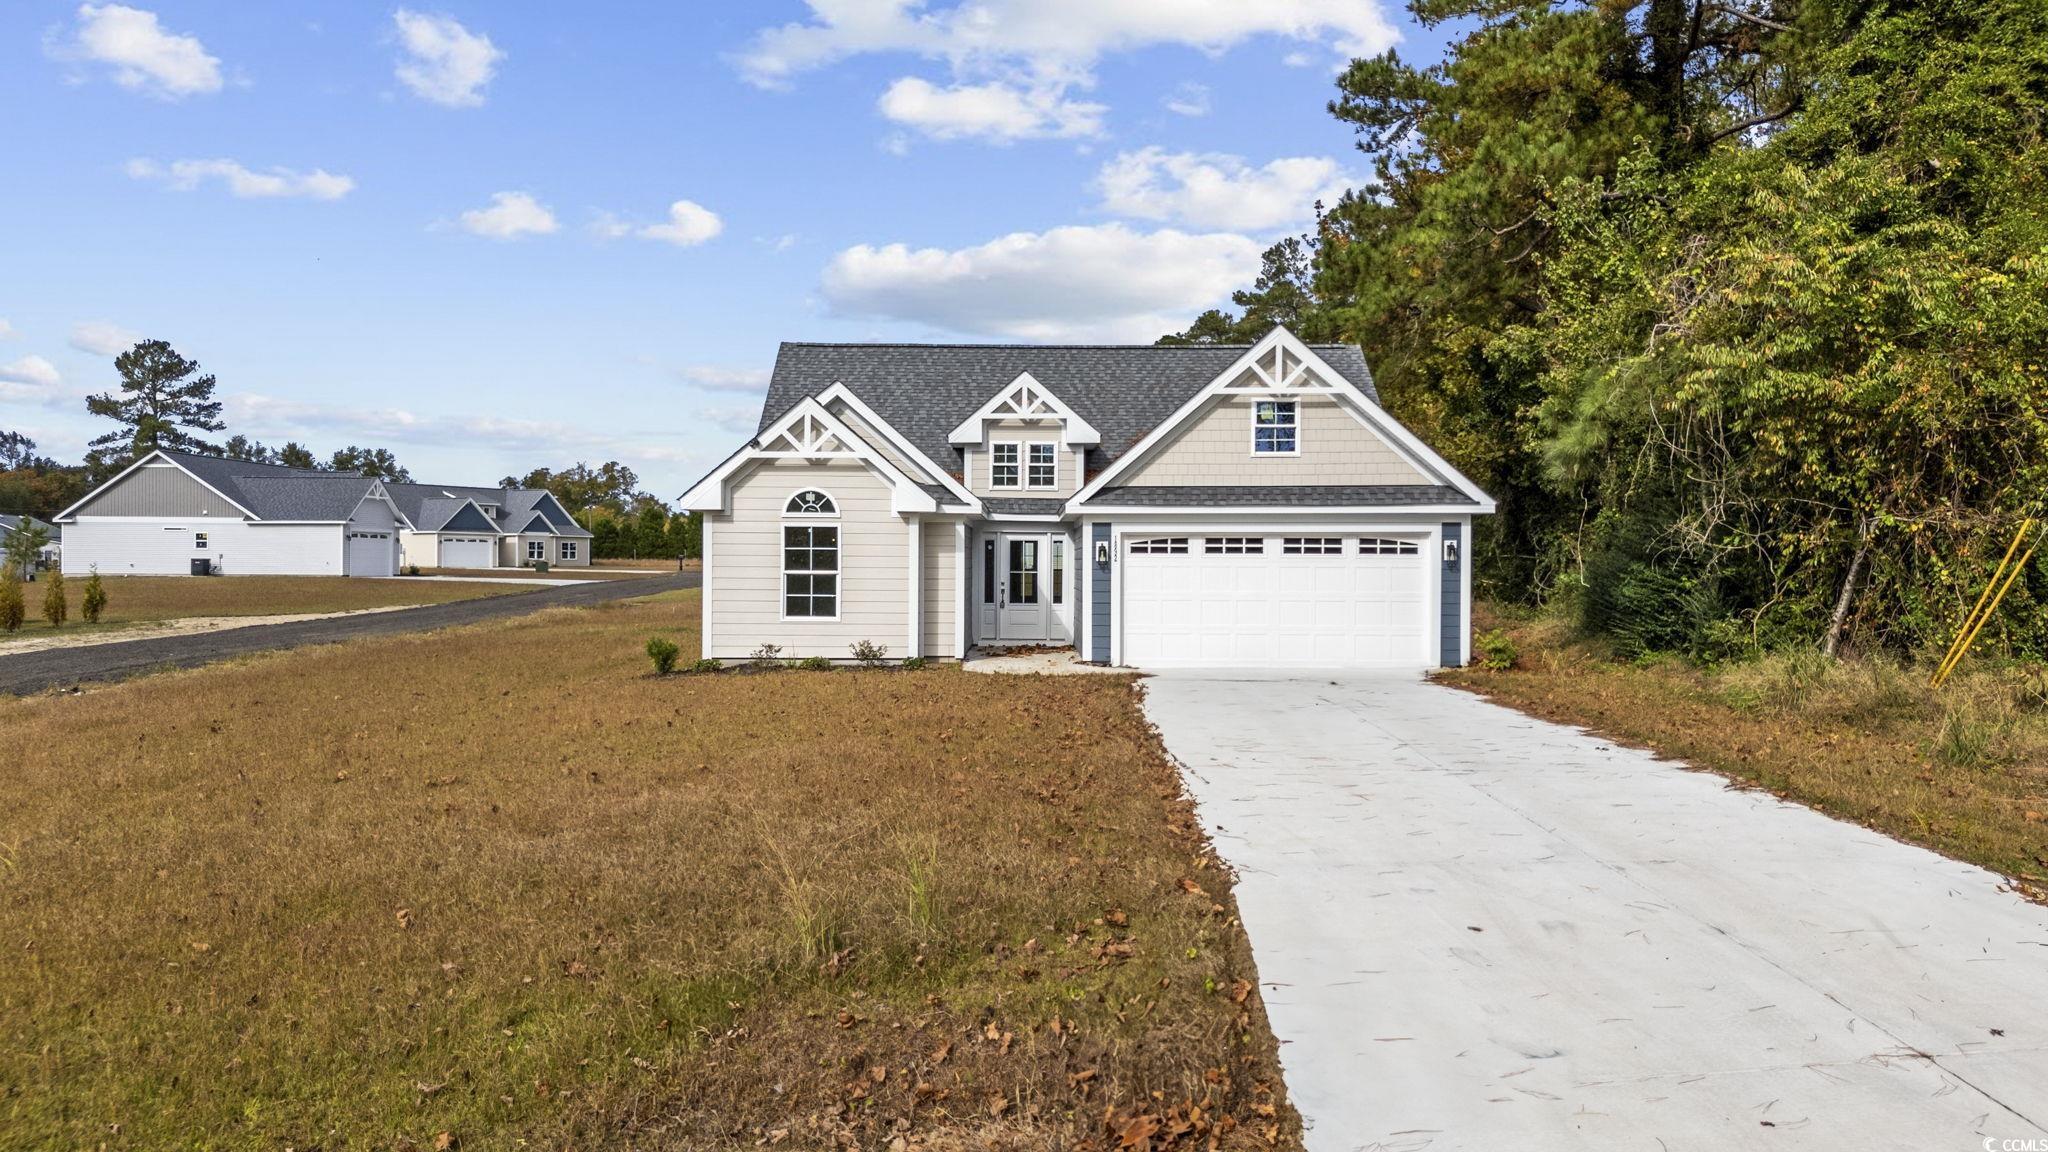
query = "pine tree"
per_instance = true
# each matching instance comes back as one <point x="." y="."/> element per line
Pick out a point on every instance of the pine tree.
<point x="12" y="608"/>
<point x="95" y="600"/>
<point x="161" y="397"/>
<point x="55" y="610"/>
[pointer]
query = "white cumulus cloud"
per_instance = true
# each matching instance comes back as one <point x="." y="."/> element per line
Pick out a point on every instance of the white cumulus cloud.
<point x="244" y="183"/>
<point x="1189" y="99"/>
<point x="143" y="54"/>
<point x="103" y="337"/>
<point x="1208" y="190"/>
<point x="1056" y="33"/>
<point x="688" y="223"/>
<point x="444" y="62"/>
<point x="510" y="216"/>
<point x="33" y="371"/>
<point x="1101" y="282"/>
<point x="995" y="111"/>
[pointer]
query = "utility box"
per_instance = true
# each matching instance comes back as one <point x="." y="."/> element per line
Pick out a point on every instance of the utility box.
<point x="201" y="566"/>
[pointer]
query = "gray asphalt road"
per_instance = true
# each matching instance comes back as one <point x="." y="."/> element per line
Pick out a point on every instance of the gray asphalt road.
<point x="60" y="667"/>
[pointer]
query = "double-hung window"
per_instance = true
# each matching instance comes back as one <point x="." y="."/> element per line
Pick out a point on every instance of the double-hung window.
<point x="810" y="558"/>
<point x="1042" y="466"/>
<point x="199" y="541"/>
<point x="1274" y="429"/>
<point x="536" y="549"/>
<point x="568" y="549"/>
<point x="1003" y="471"/>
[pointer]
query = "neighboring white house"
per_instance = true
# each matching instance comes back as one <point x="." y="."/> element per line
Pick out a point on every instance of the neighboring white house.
<point x="1180" y="506"/>
<point x="47" y="556"/>
<point x="170" y="509"/>
<point x="452" y="526"/>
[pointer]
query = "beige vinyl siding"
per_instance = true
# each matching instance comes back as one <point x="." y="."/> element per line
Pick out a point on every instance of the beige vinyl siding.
<point x="745" y="574"/>
<point x="1216" y="448"/>
<point x="158" y="490"/>
<point x="941" y="588"/>
<point x="1023" y="432"/>
<point x="582" y="559"/>
<point x="421" y="548"/>
<point x="879" y="442"/>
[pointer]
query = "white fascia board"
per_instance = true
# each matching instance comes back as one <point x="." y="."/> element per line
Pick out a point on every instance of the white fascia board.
<point x="906" y="496"/>
<point x="1226" y="510"/>
<point x="64" y="517"/>
<point x="900" y="442"/>
<point x="1074" y="429"/>
<point x="1381" y="420"/>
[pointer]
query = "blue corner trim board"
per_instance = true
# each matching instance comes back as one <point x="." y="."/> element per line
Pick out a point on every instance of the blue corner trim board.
<point x="1454" y="599"/>
<point x="1098" y="607"/>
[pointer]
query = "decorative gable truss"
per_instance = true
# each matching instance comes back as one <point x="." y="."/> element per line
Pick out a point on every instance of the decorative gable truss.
<point x="1026" y="399"/>
<point x="1281" y="365"/>
<point x="808" y="431"/>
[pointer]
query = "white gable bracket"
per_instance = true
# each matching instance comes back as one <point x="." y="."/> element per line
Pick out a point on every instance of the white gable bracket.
<point x="808" y="432"/>
<point x="1026" y="399"/>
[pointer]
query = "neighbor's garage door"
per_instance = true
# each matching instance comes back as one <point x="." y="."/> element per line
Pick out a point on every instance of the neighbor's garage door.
<point x="468" y="551"/>
<point x="371" y="554"/>
<point x="1276" y="601"/>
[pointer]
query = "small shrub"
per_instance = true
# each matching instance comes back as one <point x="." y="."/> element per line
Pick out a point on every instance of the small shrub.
<point x="663" y="652"/>
<point x="766" y="655"/>
<point x="868" y="652"/>
<point x="12" y="610"/>
<point x="412" y="569"/>
<point x="55" y="609"/>
<point x="95" y="597"/>
<point x="1496" y="651"/>
<point x="814" y="664"/>
<point x="707" y="664"/>
<point x="914" y="663"/>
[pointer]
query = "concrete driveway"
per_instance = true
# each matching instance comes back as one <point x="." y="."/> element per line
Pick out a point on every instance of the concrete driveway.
<point x="1478" y="930"/>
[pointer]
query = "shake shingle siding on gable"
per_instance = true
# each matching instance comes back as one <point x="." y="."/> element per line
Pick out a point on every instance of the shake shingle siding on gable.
<point x="925" y="390"/>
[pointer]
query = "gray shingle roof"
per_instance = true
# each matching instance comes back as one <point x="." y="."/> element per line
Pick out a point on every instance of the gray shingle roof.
<point x="274" y="492"/>
<point x="1278" y="496"/>
<point x="925" y="390"/>
<point x="1022" y="506"/>
<point x="429" y="506"/>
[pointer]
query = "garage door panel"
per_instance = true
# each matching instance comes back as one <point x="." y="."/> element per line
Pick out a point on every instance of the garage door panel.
<point x="1277" y="610"/>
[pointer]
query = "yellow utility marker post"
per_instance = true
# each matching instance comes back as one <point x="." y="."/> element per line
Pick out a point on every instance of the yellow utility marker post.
<point x="2002" y="580"/>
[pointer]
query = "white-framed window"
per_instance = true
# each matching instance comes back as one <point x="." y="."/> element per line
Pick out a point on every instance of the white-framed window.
<point x="568" y="549"/>
<point x="199" y="541"/>
<point x="810" y="571"/>
<point x="1042" y="465"/>
<point x="810" y="502"/>
<point x="1312" y="545"/>
<point x="1386" y="546"/>
<point x="536" y="549"/>
<point x="1160" y="546"/>
<point x="1234" y="545"/>
<point x="1274" y="430"/>
<point x="1059" y="569"/>
<point x="1003" y="471"/>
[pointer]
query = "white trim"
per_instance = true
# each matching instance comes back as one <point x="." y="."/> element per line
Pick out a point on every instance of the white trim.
<point x="1028" y="446"/>
<point x="704" y="584"/>
<point x="1294" y="426"/>
<point x="1332" y="383"/>
<point x="902" y="443"/>
<point x="963" y="601"/>
<point x="158" y="453"/>
<point x="812" y="431"/>
<point x="829" y="499"/>
<point x="1018" y="465"/>
<point x="1288" y="509"/>
<point x="1026" y="399"/>
<point x="916" y="587"/>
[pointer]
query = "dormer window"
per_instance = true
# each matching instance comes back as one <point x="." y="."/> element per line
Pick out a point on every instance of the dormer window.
<point x="1042" y="468"/>
<point x="1274" y="429"/>
<point x="1003" y="471"/>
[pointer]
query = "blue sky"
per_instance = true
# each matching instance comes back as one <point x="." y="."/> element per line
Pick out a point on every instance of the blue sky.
<point x="492" y="237"/>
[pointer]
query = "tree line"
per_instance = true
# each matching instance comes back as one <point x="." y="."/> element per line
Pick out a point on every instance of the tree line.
<point x="1738" y="307"/>
<point x="164" y="401"/>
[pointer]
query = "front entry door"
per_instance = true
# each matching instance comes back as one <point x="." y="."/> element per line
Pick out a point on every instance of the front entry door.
<point x="1023" y="598"/>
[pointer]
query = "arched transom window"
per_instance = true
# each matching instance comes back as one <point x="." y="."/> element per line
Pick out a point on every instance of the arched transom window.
<point x="811" y="502"/>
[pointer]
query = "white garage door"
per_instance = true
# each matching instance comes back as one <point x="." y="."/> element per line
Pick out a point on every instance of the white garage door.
<point x="371" y="554"/>
<point x="467" y="551"/>
<point x="1276" y="601"/>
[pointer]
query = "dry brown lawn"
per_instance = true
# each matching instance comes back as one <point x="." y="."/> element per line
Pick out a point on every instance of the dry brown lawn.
<point x="137" y="599"/>
<point x="1962" y="770"/>
<point x="503" y="884"/>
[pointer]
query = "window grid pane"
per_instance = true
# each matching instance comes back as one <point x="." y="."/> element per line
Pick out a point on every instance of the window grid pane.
<point x="1044" y="470"/>
<point x="810" y="570"/>
<point x="1387" y="546"/>
<point x="1160" y="546"/>
<point x="1312" y="545"/>
<point x="1273" y="426"/>
<point x="1003" y="470"/>
<point x="1234" y="545"/>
